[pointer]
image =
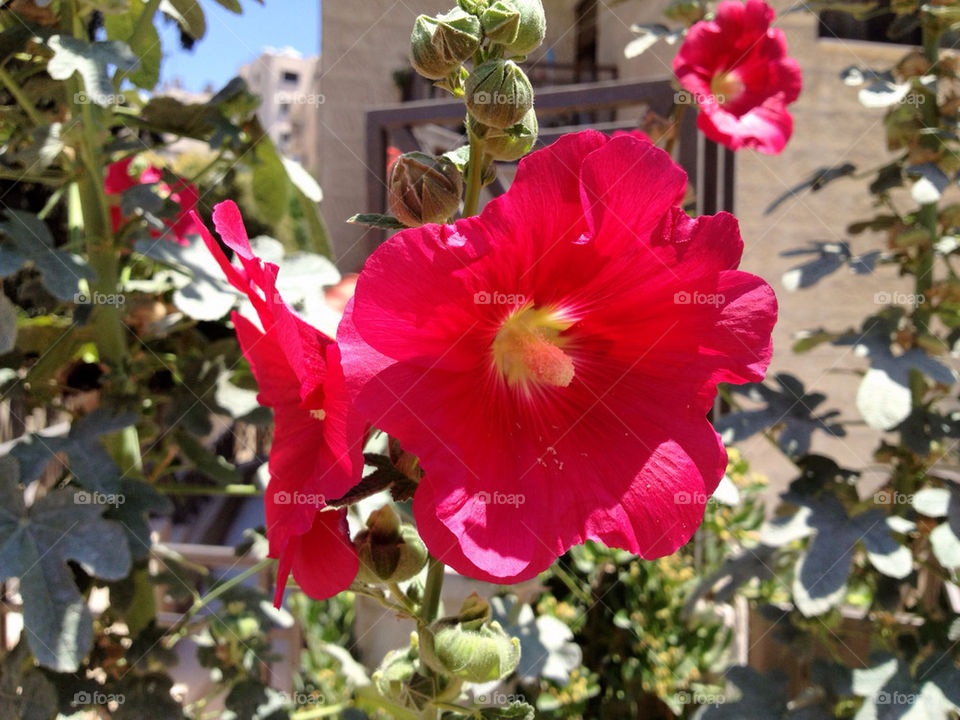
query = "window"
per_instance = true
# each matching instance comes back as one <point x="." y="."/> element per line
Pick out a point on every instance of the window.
<point x="291" y="77"/>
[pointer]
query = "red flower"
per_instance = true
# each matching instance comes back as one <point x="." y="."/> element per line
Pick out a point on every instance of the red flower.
<point x="183" y="194"/>
<point x="737" y="69"/>
<point x="316" y="453"/>
<point x="552" y="361"/>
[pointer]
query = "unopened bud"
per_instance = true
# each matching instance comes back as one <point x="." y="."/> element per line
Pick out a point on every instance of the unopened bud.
<point x="482" y="655"/>
<point x="424" y="189"/>
<point x="439" y="45"/>
<point x="498" y="93"/>
<point x="510" y="143"/>
<point x="395" y="673"/>
<point x="501" y="22"/>
<point x="687" y="12"/>
<point x="531" y="29"/>
<point x="389" y="551"/>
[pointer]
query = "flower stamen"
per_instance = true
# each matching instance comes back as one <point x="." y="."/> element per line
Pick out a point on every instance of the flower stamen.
<point x="529" y="348"/>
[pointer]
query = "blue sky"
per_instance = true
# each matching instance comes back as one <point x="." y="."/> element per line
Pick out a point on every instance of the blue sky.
<point x="233" y="40"/>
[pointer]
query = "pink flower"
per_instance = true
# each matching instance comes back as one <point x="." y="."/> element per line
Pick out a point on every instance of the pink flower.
<point x="183" y="194"/>
<point x="552" y="361"/>
<point x="316" y="454"/>
<point x="737" y="69"/>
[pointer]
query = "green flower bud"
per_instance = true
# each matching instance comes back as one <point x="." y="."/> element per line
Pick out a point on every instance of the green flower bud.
<point x="439" y="45"/>
<point x="501" y="22"/>
<point x="510" y="143"/>
<point x="424" y="189"/>
<point x="389" y="551"/>
<point x="473" y="6"/>
<point x="532" y="28"/>
<point x="686" y="11"/>
<point x="395" y="673"/>
<point x="480" y="655"/>
<point x="498" y="93"/>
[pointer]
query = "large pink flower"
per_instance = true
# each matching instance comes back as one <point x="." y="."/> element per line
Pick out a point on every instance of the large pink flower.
<point x="552" y="361"/>
<point x="317" y="446"/>
<point x="737" y="69"/>
<point x="118" y="180"/>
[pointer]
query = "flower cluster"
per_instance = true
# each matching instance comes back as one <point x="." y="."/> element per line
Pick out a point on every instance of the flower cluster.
<point x="585" y="392"/>
<point x="736" y="66"/>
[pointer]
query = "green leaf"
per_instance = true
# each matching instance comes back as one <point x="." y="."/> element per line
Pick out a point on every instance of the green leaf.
<point x="231" y="5"/>
<point x="188" y="14"/>
<point x="72" y="55"/>
<point x="8" y="325"/>
<point x="142" y="38"/>
<point x="516" y="710"/>
<point x="146" y="697"/>
<point x="35" y="546"/>
<point x="302" y="180"/>
<point x="377" y="220"/>
<point x="207" y="463"/>
<point x="25" y="693"/>
<point x="89" y="462"/>
<point x="253" y="700"/>
<point x="27" y="239"/>
<point x="271" y="187"/>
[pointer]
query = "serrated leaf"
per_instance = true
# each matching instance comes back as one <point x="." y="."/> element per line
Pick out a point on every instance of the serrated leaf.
<point x="27" y="239"/>
<point x="35" y="546"/>
<point x="88" y="461"/>
<point x="188" y="15"/>
<point x="90" y="60"/>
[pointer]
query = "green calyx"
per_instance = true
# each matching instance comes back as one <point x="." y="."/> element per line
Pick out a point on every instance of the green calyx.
<point x="438" y="46"/>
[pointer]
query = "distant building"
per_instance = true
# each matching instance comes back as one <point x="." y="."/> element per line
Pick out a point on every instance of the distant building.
<point x="286" y="82"/>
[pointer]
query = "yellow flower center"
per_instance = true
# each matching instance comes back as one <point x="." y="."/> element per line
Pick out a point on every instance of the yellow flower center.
<point x="529" y="348"/>
<point x="726" y="87"/>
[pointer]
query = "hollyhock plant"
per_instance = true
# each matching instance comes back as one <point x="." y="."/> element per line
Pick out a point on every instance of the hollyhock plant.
<point x="118" y="180"/>
<point x="737" y="69"/>
<point x="552" y="361"/>
<point x="316" y="453"/>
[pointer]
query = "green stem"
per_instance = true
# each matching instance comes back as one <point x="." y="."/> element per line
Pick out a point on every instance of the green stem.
<point x="402" y="598"/>
<point x="430" y="607"/>
<point x="234" y="490"/>
<point x="678" y="112"/>
<point x="923" y="278"/>
<point x="14" y="89"/>
<point x="471" y="200"/>
<point x="179" y="629"/>
<point x="572" y="585"/>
